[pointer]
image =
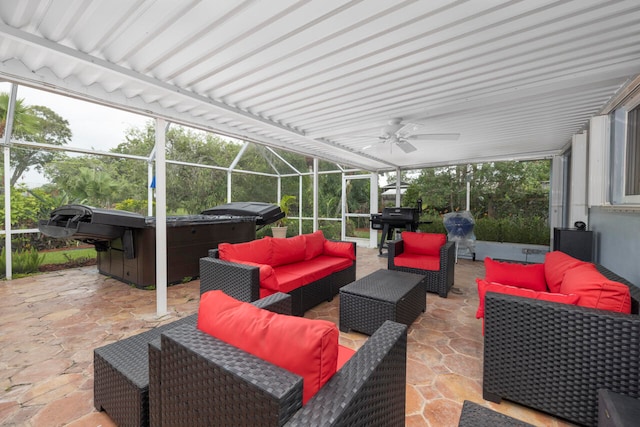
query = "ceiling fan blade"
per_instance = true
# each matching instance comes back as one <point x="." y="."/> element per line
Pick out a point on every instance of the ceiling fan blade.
<point x="405" y="146"/>
<point x="434" y="137"/>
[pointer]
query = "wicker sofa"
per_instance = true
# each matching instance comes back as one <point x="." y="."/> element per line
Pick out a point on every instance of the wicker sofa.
<point x="438" y="280"/>
<point x="199" y="380"/>
<point x="244" y="280"/>
<point x="554" y="357"/>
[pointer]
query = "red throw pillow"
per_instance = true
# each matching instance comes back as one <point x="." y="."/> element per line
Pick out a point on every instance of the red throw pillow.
<point x="595" y="290"/>
<point x="423" y="243"/>
<point x="287" y="251"/>
<point x="339" y="249"/>
<point x="268" y="278"/>
<point x="529" y="276"/>
<point x="306" y="347"/>
<point x="314" y="245"/>
<point x="484" y="287"/>
<point x="258" y="251"/>
<point x="556" y="264"/>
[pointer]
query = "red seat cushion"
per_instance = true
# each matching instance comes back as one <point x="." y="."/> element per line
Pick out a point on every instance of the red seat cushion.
<point x="306" y="347"/>
<point x="339" y="249"/>
<point x="529" y="276"/>
<point x="556" y="264"/>
<point x="595" y="290"/>
<point x="421" y="262"/>
<point x="423" y="243"/>
<point x="484" y="287"/>
<point x="314" y="245"/>
<point x="258" y="251"/>
<point x="287" y="251"/>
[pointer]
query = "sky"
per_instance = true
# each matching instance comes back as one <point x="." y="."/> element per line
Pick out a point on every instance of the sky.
<point x="93" y="126"/>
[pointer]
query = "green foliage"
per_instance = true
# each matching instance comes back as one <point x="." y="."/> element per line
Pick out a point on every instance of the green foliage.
<point x="64" y="256"/>
<point x="133" y="205"/>
<point x="286" y="202"/>
<point x="517" y="229"/>
<point x="22" y="262"/>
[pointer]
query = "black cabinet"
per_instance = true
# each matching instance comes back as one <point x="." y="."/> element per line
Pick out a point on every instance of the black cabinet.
<point x="617" y="410"/>
<point x="577" y="243"/>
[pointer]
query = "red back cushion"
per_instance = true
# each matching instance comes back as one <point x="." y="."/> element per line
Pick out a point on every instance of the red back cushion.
<point x="595" y="290"/>
<point x="287" y="251"/>
<point x="258" y="251"/>
<point x="339" y="249"/>
<point x="423" y="243"/>
<point x="529" y="276"/>
<point x="306" y="347"/>
<point x="557" y="263"/>
<point x="484" y="287"/>
<point x="314" y="245"/>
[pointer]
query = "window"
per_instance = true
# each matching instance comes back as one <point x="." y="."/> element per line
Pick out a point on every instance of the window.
<point x="632" y="154"/>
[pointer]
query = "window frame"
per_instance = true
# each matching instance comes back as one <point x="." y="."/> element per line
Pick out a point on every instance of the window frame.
<point x="620" y="152"/>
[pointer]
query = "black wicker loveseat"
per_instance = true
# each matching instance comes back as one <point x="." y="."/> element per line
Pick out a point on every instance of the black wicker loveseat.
<point x="554" y="357"/>
<point x="242" y="281"/>
<point x="199" y="380"/>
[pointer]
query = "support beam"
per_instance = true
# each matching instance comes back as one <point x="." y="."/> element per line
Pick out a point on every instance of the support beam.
<point x="11" y="108"/>
<point x="161" y="218"/>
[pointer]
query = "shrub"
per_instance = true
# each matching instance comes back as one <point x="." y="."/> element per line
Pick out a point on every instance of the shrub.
<point x="23" y="262"/>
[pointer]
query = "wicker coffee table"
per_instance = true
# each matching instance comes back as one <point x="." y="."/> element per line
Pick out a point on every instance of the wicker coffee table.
<point x="382" y="295"/>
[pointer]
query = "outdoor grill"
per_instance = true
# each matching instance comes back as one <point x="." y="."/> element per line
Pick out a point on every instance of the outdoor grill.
<point x="126" y="241"/>
<point x="392" y="218"/>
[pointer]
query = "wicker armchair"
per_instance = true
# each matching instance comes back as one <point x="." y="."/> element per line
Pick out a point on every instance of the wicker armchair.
<point x="126" y="381"/>
<point x="554" y="357"/>
<point x="205" y="381"/>
<point x="439" y="281"/>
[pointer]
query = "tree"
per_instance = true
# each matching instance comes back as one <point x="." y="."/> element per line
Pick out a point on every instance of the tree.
<point x="24" y="122"/>
<point x="50" y="129"/>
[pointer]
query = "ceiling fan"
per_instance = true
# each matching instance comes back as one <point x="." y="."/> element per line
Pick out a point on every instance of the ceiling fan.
<point x="400" y="133"/>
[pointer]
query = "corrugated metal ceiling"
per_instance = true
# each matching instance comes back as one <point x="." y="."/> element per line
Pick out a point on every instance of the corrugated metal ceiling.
<point x="515" y="79"/>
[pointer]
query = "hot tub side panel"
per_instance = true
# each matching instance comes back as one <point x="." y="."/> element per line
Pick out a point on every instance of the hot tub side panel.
<point x="186" y="244"/>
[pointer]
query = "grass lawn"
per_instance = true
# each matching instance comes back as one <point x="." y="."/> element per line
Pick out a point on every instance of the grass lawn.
<point x="61" y="257"/>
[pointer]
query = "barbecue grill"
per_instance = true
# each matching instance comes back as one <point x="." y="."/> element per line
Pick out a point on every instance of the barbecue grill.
<point x="392" y="218"/>
<point x="126" y="241"/>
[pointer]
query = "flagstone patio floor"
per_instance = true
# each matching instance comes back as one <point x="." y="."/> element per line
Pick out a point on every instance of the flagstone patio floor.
<point x="50" y="324"/>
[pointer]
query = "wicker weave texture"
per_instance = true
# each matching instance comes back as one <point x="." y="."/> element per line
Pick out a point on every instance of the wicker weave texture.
<point x="383" y="295"/>
<point x="555" y="357"/>
<point x="206" y="381"/>
<point x="474" y="415"/>
<point x="121" y="376"/>
<point x="440" y="281"/>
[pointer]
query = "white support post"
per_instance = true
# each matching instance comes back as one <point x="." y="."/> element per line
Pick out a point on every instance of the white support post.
<point x="161" y="219"/>
<point x="578" y="195"/>
<point x="373" y="206"/>
<point x="343" y="204"/>
<point x="229" y="186"/>
<point x="315" y="194"/>
<point x="398" y="190"/>
<point x="557" y="194"/>
<point x="7" y="180"/>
